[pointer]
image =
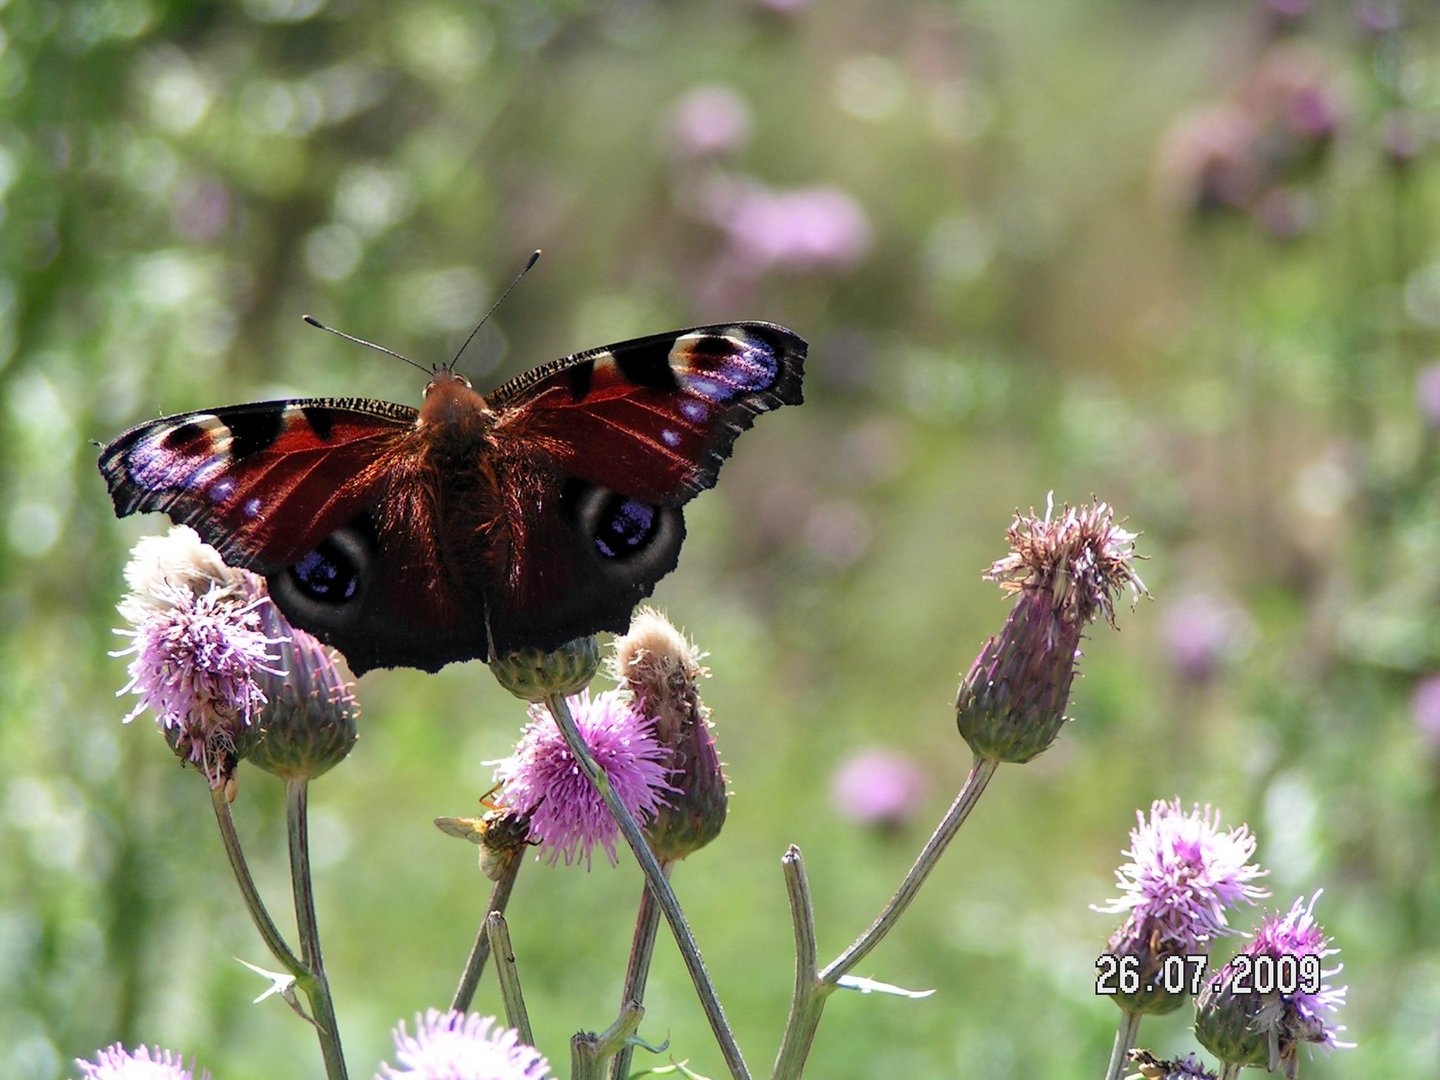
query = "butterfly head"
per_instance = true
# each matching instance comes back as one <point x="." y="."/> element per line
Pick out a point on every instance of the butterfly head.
<point x="450" y="401"/>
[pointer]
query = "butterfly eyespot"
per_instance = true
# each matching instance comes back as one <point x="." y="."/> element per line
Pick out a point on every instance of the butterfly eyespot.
<point x="622" y="526"/>
<point x="623" y="532"/>
<point x="331" y="576"/>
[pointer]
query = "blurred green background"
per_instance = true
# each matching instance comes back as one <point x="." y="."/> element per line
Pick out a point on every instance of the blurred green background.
<point x="1181" y="256"/>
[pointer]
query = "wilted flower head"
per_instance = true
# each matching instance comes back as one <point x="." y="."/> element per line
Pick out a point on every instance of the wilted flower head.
<point x="1183" y="878"/>
<point x="1257" y="1010"/>
<point x="543" y="780"/>
<point x="1064" y="571"/>
<point x="117" y="1063"/>
<point x="661" y="670"/>
<point x="879" y="787"/>
<point x="462" y="1046"/>
<point x="201" y="653"/>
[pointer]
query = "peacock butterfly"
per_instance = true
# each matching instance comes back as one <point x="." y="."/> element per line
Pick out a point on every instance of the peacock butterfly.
<point x="475" y="525"/>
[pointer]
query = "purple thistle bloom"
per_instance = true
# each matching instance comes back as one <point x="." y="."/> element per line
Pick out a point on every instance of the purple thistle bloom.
<point x="200" y="649"/>
<point x="1184" y="875"/>
<point x="462" y="1046"/>
<point x="117" y="1063"/>
<point x="1264" y="1020"/>
<point x="708" y="121"/>
<point x="542" y="779"/>
<point x="1201" y="632"/>
<point x="804" y="229"/>
<point x="1425" y="710"/>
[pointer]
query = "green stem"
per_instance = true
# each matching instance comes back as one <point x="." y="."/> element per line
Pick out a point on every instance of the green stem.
<point x="269" y="933"/>
<point x="810" y="995"/>
<point x="589" y="1052"/>
<point x="637" y="972"/>
<point x="516" y="1015"/>
<point x="808" y="999"/>
<point x="313" y="982"/>
<point x="1124" y="1040"/>
<point x="659" y="886"/>
<point x="480" y="951"/>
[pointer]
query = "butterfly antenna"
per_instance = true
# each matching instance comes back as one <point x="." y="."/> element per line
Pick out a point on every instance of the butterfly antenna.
<point x="361" y="341"/>
<point x="534" y="258"/>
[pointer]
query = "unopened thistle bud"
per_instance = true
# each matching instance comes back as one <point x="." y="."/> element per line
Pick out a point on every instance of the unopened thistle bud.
<point x="309" y="721"/>
<point x="1064" y="571"/>
<point x="533" y="675"/>
<point x="661" y="669"/>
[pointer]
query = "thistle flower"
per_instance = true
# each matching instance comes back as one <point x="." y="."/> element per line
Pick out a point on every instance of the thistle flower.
<point x="880" y="788"/>
<point x="117" y="1063"/>
<point x="1064" y="571"/>
<point x="661" y="670"/>
<point x="542" y="779"/>
<point x="1184" y="876"/>
<point x="708" y="121"/>
<point x="200" y="650"/>
<point x="1257" y="1010"/>
<point x="309" y="720"/>
<point x="462" y="1046"/>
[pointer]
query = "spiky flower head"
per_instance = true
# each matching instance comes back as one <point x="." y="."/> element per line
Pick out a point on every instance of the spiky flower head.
<point x="143" y="1063"/>
<point x="542" y="779"/>
<point x="1184" y="877"/>
<point x="310" y="719"/>
<point x="462" y="1046"/>
<point x="660" y="668"/>
<point x="201" y="653"/>
<point x="1273" y="995"/>
<point x="1064" y="571"/>
<point x="533" y="674"/>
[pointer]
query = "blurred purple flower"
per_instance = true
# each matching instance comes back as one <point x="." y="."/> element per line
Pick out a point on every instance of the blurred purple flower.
<point x="1208" y="162"/>
<point x="1379" y="17"/>
<point x="542" y="780"/>
<point x="784" y="7"/>
<point x="879" y="787"/>
<point x="1184" y="875"/>
<point x="816" y="228"/>
<point x="1284" y="212"/>
<point x="1427" y="394"/>
<point x="709" y="121"/>
<point x="1201" y="632"/>
<point x="117" y="1063"/>
<point x="1425" y="709"/>
<point x="462" y="1046"/>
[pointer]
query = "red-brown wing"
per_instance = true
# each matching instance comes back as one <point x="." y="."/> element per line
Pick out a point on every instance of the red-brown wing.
<point x="655" y="418"/>
<point x="263" y="483"/>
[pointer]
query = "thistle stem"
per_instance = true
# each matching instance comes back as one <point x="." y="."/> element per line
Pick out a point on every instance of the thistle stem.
<point x="314" y="982"/>
<point x="516" y="1015"/>
<point x="658" y="884"/>
<point x="269" y="933"/>
<point x="1125" y="1034"/>
<point x="637" y="972"/>
<point x="588" y="1051"/>
<point x="480" y="951"/>
<point x="811" y="994"/>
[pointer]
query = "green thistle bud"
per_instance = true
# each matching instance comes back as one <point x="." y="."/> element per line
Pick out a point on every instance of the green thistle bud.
<point x="533" y="675"/>
<point x="662" y="671"/>
<point x="309" y="719"/>
<point x="1226" y="1024"/>
<point x="1066" y="571"/>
